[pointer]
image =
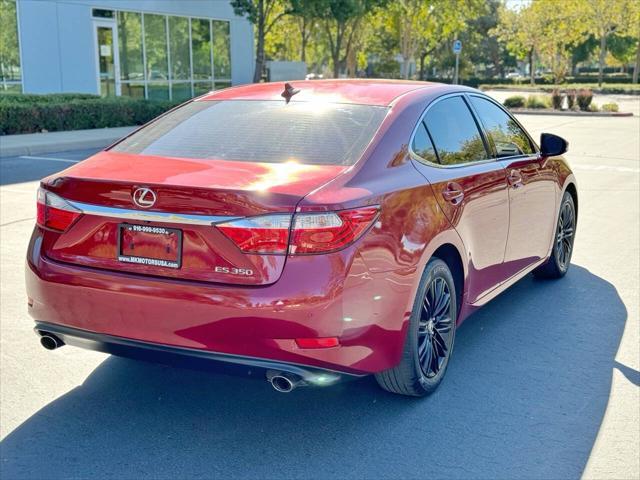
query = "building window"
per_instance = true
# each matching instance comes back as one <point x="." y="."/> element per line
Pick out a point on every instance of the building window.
<point x="157" y="57"/>
<point x="10" y="71"/>
<point x="221" y="54"/>
<point x="170" y="57"/>
<point x="102" y="13"/>
<point x="201" y="56"/>
<point x="131" y="59"/>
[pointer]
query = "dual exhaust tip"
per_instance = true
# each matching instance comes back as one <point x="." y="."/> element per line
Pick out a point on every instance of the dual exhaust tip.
<point x="50" y="341"/>
<point x="284" y="382"/>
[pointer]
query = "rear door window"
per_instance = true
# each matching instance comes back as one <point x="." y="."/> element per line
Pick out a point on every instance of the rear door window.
<point x="260" y="131"/>
<point x="505" y="133"/>
<point x="422" y="145"/>
<point x="454" y="132"/>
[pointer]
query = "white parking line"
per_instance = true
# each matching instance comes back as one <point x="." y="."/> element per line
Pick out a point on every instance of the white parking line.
<point x="65" y="160"/>
<point x="606" y="168"/>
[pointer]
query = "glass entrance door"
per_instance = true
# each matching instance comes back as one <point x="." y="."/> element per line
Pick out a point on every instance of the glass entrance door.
<point x="107" y="62"/>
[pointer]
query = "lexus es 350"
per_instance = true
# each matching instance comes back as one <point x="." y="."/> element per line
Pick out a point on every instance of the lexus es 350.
<point x="305" y="233"/>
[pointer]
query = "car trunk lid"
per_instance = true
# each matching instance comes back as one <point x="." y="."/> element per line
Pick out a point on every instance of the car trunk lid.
<point x="175" y="234"/>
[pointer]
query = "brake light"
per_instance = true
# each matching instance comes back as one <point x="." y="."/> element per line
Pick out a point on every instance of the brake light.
<point x="327" y="232"/>
<point x="264" y="234"/>
<point x="55" y="212"/>
<point x="311" y="232"/>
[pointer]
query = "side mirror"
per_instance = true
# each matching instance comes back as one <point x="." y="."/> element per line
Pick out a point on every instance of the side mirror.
<point x="552" y="145"/>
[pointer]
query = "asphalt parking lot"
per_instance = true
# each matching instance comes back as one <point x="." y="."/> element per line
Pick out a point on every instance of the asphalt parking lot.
<point x="544" y="381"/>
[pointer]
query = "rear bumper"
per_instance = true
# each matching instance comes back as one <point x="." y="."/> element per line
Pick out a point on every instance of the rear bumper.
<point x="188" y="357"/>
<point x="317" y="296"/>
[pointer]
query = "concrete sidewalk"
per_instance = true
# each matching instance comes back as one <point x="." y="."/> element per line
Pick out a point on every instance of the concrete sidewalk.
<point x="41" y="143"/>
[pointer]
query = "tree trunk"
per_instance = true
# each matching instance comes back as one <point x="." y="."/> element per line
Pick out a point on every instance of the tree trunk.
<point x="257" y="73"/>
<point x="303" y="47"/>
<point x="603" y="52"/>
<point x="532" y="73"/>
<point x="336" y="64"/>
<point x="405" y="68"/>
<point x="335" y="53"/>
<point x="636" y="68"/>
<point x="423" y="57"/>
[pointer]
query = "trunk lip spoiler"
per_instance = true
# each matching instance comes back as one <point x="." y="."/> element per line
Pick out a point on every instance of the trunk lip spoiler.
<point x="150" y="216"/>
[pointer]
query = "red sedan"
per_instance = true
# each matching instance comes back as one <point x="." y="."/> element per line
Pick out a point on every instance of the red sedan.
<point x="306" y="232"/>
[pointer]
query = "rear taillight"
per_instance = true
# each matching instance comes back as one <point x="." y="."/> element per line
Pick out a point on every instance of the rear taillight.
<point x="264" y="234"/>
<point x="311" y="233"/>
<point x="55" y="212"/>
<point x="327" y="232"/>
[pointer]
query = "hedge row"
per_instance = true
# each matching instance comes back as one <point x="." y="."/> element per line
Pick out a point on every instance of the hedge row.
<point x="475" y="82"/>
<point x="48" y="98"/>
<point x="628" y="89"/>
<point x="73" y="112"/>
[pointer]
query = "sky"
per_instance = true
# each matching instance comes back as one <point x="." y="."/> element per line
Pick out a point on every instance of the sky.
<point x="515" y="4"/>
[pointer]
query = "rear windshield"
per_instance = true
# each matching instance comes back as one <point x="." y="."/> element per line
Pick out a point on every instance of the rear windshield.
<point x="260" y="131"/>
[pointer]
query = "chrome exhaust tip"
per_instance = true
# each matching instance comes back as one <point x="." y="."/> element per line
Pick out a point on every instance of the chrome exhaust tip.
<point x="283" y="382"/>
<point x="50" y="342"/>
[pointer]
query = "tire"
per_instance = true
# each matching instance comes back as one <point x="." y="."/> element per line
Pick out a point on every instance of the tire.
<point x="419" y="372"/>
<point x="565" y="233"/>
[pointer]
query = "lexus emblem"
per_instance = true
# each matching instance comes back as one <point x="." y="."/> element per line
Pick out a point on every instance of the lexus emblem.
<point x="144" y="197"/>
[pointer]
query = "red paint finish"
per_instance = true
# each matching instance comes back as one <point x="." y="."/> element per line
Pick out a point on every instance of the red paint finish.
<point x="360" y="295"/>
<point x="364" y="92"/>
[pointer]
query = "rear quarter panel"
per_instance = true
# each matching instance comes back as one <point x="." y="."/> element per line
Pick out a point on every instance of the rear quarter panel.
<point x="410" y="228"/>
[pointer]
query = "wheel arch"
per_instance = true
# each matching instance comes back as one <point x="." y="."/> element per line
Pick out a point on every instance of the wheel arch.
<point x="450" y="255"/>
<point x="573" y="191"/>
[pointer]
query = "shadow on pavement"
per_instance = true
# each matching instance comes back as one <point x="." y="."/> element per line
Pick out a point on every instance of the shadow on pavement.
<point x="524" y="398"/>
<point x="30" y="168"/>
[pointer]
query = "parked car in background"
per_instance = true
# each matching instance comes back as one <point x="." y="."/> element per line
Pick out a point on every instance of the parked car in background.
<point x="514" y="76"/>
<point x="313" y="232"/>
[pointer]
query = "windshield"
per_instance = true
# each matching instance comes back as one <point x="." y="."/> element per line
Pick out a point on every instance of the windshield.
<point x="260" y="131"/>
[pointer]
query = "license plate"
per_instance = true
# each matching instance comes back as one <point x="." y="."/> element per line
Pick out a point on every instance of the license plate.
<point x="149" y="245"/>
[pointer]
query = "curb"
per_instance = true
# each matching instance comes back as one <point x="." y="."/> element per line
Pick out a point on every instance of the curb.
<point x="562" y="113"/>
<point x="43" y="143"/>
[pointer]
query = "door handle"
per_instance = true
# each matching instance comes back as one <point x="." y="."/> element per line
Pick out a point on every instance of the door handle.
<point x="453" y="194"/>
<point x="515" y="179"/>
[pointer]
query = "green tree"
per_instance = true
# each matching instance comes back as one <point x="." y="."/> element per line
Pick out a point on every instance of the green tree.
<point x="407" y="18"/>
<point x="632" y="28"/>
<point x="306" y="26"/>
<point x="622" y="48"/>
<point x="264" y="14"/>
<point x="482" y="46"/>
<point x="583" y="52"/>
<point x="340" y="20"/>
<point x="605" y="17"/>
<point x="561" y="30"/>
<point x="446" y="18"/>
<point x="521" y="32"/>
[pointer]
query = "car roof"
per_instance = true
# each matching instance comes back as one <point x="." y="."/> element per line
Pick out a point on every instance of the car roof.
<point x="354" y="91"/>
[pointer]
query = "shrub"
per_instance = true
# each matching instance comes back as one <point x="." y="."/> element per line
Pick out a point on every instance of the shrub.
<point x="48" y="98"/>
<point x="557" y="99"/>
<point x="74" y="112"/>
<point x="593" y="108"/>
<point x="571" y="98"/>
<point x="536" y="101"/>
<point x="584" y="98"/>
<point x="516" y="101"/>
<point x="609" y="107"/>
